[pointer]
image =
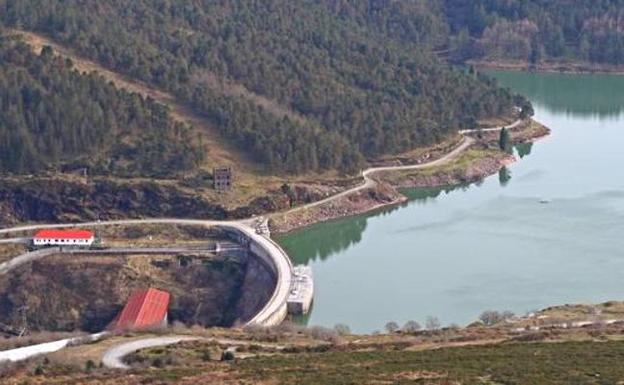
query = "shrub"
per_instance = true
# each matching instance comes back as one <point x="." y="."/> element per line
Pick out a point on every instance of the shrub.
<point x="342" y="329"/>
<point x="90" y="365"/>
<point x="157" y="362"/>
<point x="411" y="327"/>
<point x="392" y="327"/>
<point x="227" y="355"/>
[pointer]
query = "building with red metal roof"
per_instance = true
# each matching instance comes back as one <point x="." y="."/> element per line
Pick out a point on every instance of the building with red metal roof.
<point x="54" y="237"/>
<point x="145" y="308"/>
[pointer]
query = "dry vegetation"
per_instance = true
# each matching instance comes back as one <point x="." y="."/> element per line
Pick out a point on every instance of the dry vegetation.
<point x="8" y="251"/>
<point x="294" y="355"/>
<point x="150" y="235"/>
<point x="94" y="289"/>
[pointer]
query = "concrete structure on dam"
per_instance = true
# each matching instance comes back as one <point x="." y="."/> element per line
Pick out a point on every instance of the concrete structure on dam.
<point x="279" y="264"/>
<point x="301" y="290"/>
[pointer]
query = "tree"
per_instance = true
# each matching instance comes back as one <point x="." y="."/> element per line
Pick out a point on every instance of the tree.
<point x="227" y="355"/>
<point x="411" y="327"/>
<point x="342" y="329"/>
<point x="526" y="111"/>
<point x="39" y="370"/>
<point x="433" y="323"/>
<point x="392" y="327"/>
<point x="503" y="139"/>
<point x="493" y="317"/>
<point x="536" y="51"/>
<point x="504" y="176"/>
<point x="490" y="317"/>
<point x="337" y="119"/>
<point x="90" y="366"/>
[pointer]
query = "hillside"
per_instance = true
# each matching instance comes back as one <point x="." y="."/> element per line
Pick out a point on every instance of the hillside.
<point x="53" y="118"/>
<point x="296" y="84"/>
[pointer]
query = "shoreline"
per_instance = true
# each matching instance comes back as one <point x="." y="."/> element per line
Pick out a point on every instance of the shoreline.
<point x="386" y="192"/>
<point x="554" y="67"/>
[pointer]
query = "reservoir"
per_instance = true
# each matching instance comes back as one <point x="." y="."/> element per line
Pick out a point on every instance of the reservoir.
<point x="547" y="230"/>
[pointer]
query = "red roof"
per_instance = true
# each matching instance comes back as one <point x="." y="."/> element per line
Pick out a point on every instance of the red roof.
<point x="145" y="308"/>
<point x="63" y="234"/>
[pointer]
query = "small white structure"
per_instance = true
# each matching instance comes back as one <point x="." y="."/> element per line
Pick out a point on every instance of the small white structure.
<point x="63" y="238"/>
<point x="301" y="290"/>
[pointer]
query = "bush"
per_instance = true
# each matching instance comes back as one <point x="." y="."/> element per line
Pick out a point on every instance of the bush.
<point x="292" y="349"/>
<point x="157" y="362"/>
<point x="323" y="334"/>
<point x="342" y="329"/>
<point x="39" y="370"/>
<point x="411" y="327"/>
<point x="90" y="365"/>
<point x="433" y="323"/>
<point x="227" y="355"/>
<point x="492" y="317"/>
<point x="392" y="327"/>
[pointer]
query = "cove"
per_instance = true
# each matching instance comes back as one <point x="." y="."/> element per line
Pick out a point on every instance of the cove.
<point x="547" y="230"/>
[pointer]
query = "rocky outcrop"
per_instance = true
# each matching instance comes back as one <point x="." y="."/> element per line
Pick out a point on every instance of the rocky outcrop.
<point x="56" y="200"/>
<point x="49" y="199"/>
<point x="53" y="200"/>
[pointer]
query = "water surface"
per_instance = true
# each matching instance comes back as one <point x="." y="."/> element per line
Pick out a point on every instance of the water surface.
<point x="547" y="230"/>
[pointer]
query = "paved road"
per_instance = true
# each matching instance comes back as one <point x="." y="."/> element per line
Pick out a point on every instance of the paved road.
<point x="153" y="250"/>
<point x="113" y="357"/>
<point x="14" y="240"/>
<point x="367" y="174"/>
<point x="38" y="254"/>
<point x="475" y="130"/>
<point x="26" y="352"/>
<point x="27" y="257"/>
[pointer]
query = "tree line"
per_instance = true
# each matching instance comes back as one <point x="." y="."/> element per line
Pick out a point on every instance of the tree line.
<point x="361" y="75"/>
<point x="534" y="30"/>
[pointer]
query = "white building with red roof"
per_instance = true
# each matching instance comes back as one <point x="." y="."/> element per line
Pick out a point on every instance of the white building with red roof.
<point x="63" y="238"/>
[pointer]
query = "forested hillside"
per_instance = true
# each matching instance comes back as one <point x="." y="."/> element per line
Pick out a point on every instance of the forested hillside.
<point x="52" y="118"/>
<point x="534" y="30"/>
<point x="350" y="80"/>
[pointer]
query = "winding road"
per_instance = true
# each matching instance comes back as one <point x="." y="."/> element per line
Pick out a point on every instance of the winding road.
<point x="273" y="309"/>
<point x="367" y="174"/>
<point x="113" y="357"/>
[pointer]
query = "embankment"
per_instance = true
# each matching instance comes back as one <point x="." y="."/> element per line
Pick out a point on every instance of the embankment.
<point x="474" y="159"/>
<point x="568" y="67"/>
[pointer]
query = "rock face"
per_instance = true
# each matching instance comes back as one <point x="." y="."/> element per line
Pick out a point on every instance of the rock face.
<point x="50" y="200"/>
<point x="55" y="200"/>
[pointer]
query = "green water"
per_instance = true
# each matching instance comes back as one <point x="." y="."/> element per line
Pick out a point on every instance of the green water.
<point x="453" y="253"/>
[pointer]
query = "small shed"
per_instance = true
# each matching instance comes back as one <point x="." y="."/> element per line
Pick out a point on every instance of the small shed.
<point x="222" y="178"/>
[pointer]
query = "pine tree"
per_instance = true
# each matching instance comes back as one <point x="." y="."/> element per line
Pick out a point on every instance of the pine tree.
<point x="503" y="140"/>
